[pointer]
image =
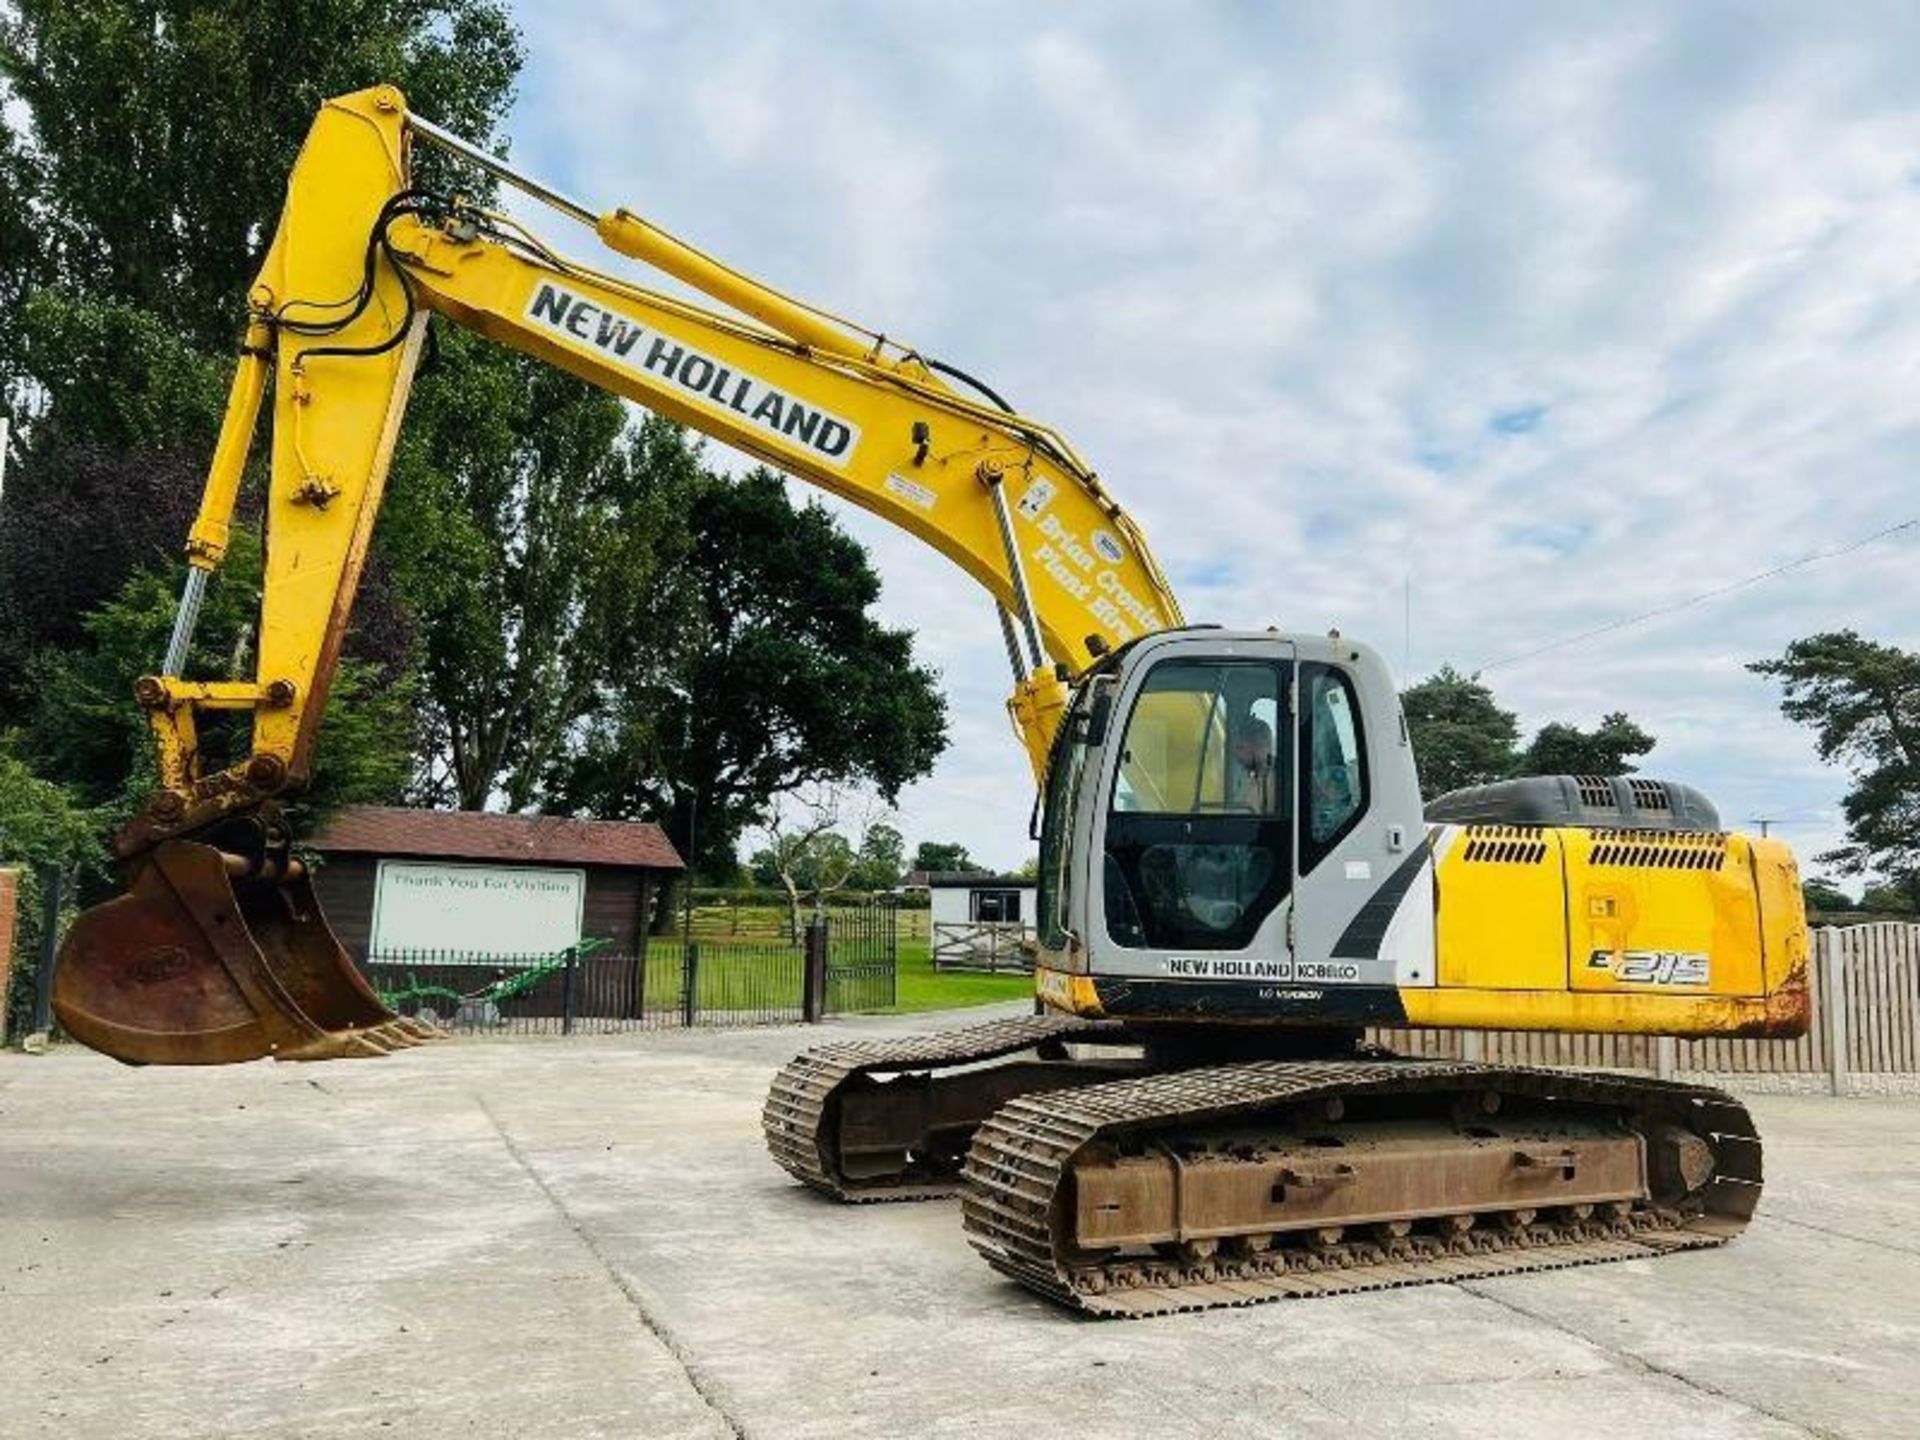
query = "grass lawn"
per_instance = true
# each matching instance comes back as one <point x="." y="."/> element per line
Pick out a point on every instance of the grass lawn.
<point x="924" y="988"/>
<point x="767" y="976"/>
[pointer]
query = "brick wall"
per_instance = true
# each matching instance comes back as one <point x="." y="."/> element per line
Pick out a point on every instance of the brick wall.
<point x="9" y="927"/>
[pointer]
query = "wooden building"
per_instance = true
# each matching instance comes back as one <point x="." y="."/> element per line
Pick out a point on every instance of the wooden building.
<point x="399" y="882"/>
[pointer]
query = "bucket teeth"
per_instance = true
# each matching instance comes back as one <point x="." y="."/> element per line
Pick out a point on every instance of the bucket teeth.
<point x="399" y="1033"/>
<point x="396" y="1034"/>
<point x="337" y="1045"/>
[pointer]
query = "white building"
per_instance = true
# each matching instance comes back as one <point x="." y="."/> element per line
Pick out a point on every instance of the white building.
<point x="982" y="922"/>
<point x="968" y="899"/>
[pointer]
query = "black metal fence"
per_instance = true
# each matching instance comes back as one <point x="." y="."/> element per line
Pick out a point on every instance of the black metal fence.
<point x="862" y="945"/>
<point x="846" y="962"/>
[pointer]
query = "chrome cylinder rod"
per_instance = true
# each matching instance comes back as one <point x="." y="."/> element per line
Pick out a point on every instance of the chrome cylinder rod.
<point x="1013" y="644"/>
<point x="184" y="619"/>
<point x="1016" y="569"/>
<point x="500" y="170"/>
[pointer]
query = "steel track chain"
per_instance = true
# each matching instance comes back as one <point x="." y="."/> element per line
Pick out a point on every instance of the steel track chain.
<point x="1022" y="1157"/>
<point x="799" y="1113"/>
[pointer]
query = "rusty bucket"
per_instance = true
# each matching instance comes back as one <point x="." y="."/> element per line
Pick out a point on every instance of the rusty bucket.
<point x="202" y="963"/>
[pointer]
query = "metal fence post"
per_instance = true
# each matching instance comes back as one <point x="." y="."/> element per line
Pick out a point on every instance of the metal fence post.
<point x="690" y="984"/>
<point x="50" y="878"/>
<point x="813" y="990"/>
<point x="1833" y="999"/>
<point x="567" y="991"/>
<point x="893" y="953"/>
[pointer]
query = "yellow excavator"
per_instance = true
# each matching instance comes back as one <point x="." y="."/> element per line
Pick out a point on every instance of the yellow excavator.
<point x="1237" y="874"/>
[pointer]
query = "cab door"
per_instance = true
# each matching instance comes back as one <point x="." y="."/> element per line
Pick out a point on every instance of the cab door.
<point x="1363" y="877"/>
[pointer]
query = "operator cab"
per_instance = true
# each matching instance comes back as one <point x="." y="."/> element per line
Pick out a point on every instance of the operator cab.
<point x="1219" y="811"/>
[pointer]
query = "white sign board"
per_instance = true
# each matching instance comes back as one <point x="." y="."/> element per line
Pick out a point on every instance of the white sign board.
<point x="484" y="910"/>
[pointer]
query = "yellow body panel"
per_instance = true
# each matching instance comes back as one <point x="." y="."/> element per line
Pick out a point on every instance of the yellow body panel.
<point x="1654" y="913"/>
<point x="1589" y="931"/>
<point x="1574" y="1013"/>
<point x="1783" y="916"/>
<point x="1501" y="923"/>
<point x="1604" y="930"/>
<point x="1527" y="908"/>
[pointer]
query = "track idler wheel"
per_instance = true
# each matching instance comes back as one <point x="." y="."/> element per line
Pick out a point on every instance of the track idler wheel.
<point x="204" y="963"/>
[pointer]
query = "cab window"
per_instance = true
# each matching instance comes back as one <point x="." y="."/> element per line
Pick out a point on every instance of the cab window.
<point x="1198" y="822"/>
<point x="1333" y="760"/>
<point x="1062" y="797"/>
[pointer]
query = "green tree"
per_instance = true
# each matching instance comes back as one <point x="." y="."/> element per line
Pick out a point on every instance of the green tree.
<point x="72" y="529"/>
<point x="42" y="827"/>
<point x="143" y="161"/>
<point x="783" y="679"/>
<point x="1824" y="897"/>
<point x="808" y="859"/>
<point x="537" y="546"/>
<point x="809" y="863"/>
<point x="1462" y="737"/>
<point x="41" y="823"/>
<point x="935" y="856"/>
<point x="1460" y="734"/>
<point x="1895" y="899"/>
<point x="137" y="198"/>
<point x="160" y="132"/>
<point x="82" y="722"/>
<point x="806" y="856"/>
<point x="23" y="267"/>
<point x="600" y="625"/>
<point x="882" y="859"/>
<point x="1608" y="749"/>
<point x="1861" y="698"/>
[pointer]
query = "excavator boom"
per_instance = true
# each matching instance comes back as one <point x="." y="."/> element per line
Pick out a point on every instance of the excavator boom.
<point x="218" y="951"/>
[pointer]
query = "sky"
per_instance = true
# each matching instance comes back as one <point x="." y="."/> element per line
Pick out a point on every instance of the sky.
<point x="1538" y="316"/>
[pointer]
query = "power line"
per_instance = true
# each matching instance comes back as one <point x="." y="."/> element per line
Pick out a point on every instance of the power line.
<point x="1706" y="595"/>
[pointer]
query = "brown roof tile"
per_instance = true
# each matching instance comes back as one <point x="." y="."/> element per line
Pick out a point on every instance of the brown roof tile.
<point x="472" y="835"/>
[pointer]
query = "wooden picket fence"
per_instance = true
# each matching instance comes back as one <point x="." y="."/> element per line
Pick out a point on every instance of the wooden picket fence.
<point x="988" y="947"/>
<point x="1874" y="1030"/>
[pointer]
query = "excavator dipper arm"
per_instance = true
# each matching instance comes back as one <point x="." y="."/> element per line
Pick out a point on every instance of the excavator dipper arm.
<point x="219" y="952"/>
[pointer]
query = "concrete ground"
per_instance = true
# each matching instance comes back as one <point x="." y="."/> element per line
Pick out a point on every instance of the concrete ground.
<point x="585" y="1238"/>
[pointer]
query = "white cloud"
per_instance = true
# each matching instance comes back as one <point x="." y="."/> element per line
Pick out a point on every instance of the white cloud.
<point x="1279" y="276"/>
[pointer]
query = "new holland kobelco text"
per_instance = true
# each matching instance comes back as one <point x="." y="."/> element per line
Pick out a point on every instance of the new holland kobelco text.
<point x="701" y="378"/>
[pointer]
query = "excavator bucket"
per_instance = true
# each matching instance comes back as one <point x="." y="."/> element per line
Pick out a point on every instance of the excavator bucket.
<point x="199" y="965"/>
